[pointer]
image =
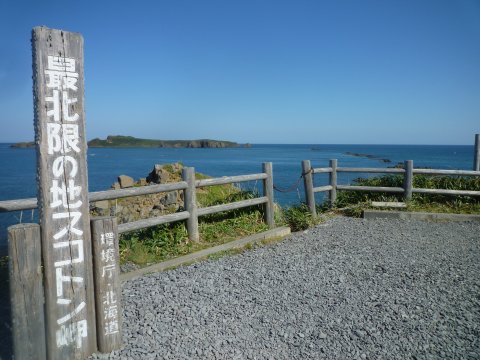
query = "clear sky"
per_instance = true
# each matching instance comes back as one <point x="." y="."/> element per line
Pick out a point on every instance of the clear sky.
<point x="263" y="71"/>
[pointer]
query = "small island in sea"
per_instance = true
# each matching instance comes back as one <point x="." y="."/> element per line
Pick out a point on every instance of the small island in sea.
<point x="368" y="156"/>
<point x="119" y="141"/>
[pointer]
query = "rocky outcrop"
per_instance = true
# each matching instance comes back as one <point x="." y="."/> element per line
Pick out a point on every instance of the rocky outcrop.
<point x="162" y="174"/>
<point x="145" y="206"/>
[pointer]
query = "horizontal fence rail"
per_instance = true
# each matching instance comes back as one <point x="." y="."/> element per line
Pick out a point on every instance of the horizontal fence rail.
<point x="371" y="188"/>
<point x="407" y="190"/>
<point x="158" y="220"/>
<point x="371" y="170"/>
<point x="229" y="180"/>
<point x="31" y="203"/>
<point x="446" y="192"/>
<point x="232" y="206"/>
<point x="18" y="205"/>
<point x="446" y="172"/>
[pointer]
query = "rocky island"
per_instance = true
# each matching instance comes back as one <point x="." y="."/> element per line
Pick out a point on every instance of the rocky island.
<point x="23" y="145"/>
<point x="119" y="141"/>
<point x="130" y="141"/>
<point x="368" y="156"/>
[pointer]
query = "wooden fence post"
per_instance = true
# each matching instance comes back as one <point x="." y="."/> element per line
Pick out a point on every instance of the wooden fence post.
<point x="408" y="180"/>
<point x="333" y="182"/>
<point x="63" y="193"/>
<point x="268" y="192"/>
<point x="308" y="184"/>
<point x="26" y="291"/>
<point x="476" y="157"/>
<point x="190" y="201"/>
<point x="106" y="275"/>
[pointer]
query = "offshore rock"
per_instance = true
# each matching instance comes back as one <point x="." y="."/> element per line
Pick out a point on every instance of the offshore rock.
<point x="125" y="181"/>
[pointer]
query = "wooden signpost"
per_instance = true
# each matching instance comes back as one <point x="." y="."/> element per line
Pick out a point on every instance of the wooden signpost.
<point x="26" y="292"/>
<point x="63" y="193"/>
<point x="106" y="263"/>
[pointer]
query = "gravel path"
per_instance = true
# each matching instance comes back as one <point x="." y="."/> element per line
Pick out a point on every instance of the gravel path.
<point x="349" y="288"/>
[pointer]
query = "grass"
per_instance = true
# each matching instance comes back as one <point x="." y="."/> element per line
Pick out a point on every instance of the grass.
<point x="299" y="217"/>
<point x="167" y="241"/>
<point x="163" y="242"/>
<point x="355" y="201"/>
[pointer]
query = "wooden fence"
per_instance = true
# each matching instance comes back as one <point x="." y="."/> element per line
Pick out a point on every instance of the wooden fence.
<point x="190" y="213"/>
<point x="407" y="189"/>
<point x="24" y="251"/>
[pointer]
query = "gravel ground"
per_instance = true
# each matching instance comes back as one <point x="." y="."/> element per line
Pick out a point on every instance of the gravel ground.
<point x="349" y="288"/>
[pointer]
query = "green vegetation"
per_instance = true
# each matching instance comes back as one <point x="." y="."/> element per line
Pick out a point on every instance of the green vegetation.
<point x="3" y="262"/>
<point x="167" y="241"/>
<point x="299" y="217"/>
<point x="130" y="141"/>
<point x="356" y="201"/>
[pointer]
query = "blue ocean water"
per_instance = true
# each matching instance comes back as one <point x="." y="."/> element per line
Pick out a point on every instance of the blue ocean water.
<point x="17" y="179"/>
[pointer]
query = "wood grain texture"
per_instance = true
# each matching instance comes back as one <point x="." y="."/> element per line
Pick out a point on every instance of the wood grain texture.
<point x="476" y="153"/>
<point x="268" y="193"/>
<point x="229" y="180"/>
<point x="108" y="295"/>
<point x="333" y="182"/>
<point x="322" y="170"/>
<point x="190" y="201"/>
<point x="26" y="292"/>
<point x="371" y="170"/>
<point x="408" y="180"/>
<point x="308" y="185"/>
<point x="322" y="188"/>
<point x="16" y="205"/>
<point x="232" y="206"/>
<point x="144" y="223"/>
<point x="446" y="192"/>
<point x="371" y="188"/>
<point x="446" y="172"/>
<point x="137" y="191"/>
<point x="65" y="227"/>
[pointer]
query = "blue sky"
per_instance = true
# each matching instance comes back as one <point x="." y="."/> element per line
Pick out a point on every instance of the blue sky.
<point x="343" y="71"/>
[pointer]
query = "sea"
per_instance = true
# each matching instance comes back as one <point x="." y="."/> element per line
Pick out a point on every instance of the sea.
<point x="18" y="174"/>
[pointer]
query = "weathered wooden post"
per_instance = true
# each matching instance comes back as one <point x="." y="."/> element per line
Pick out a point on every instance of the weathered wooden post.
<point x="333" y="182"/>
<point x="26" y="291"/>
<point x="63" y="193"/>
<point x="190" y="200"/>
<point x="308" y="184"/>
<point x="408" y="180"/>
<point x="476" y="156"/>
<point x="268" y="192"/>
<point x="106" y="272"/>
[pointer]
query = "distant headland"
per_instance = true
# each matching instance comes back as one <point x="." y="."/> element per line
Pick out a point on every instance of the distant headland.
<point x="130" y="141"/>
<point x="23" y="145"/>
<point x="119" y="141"/>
